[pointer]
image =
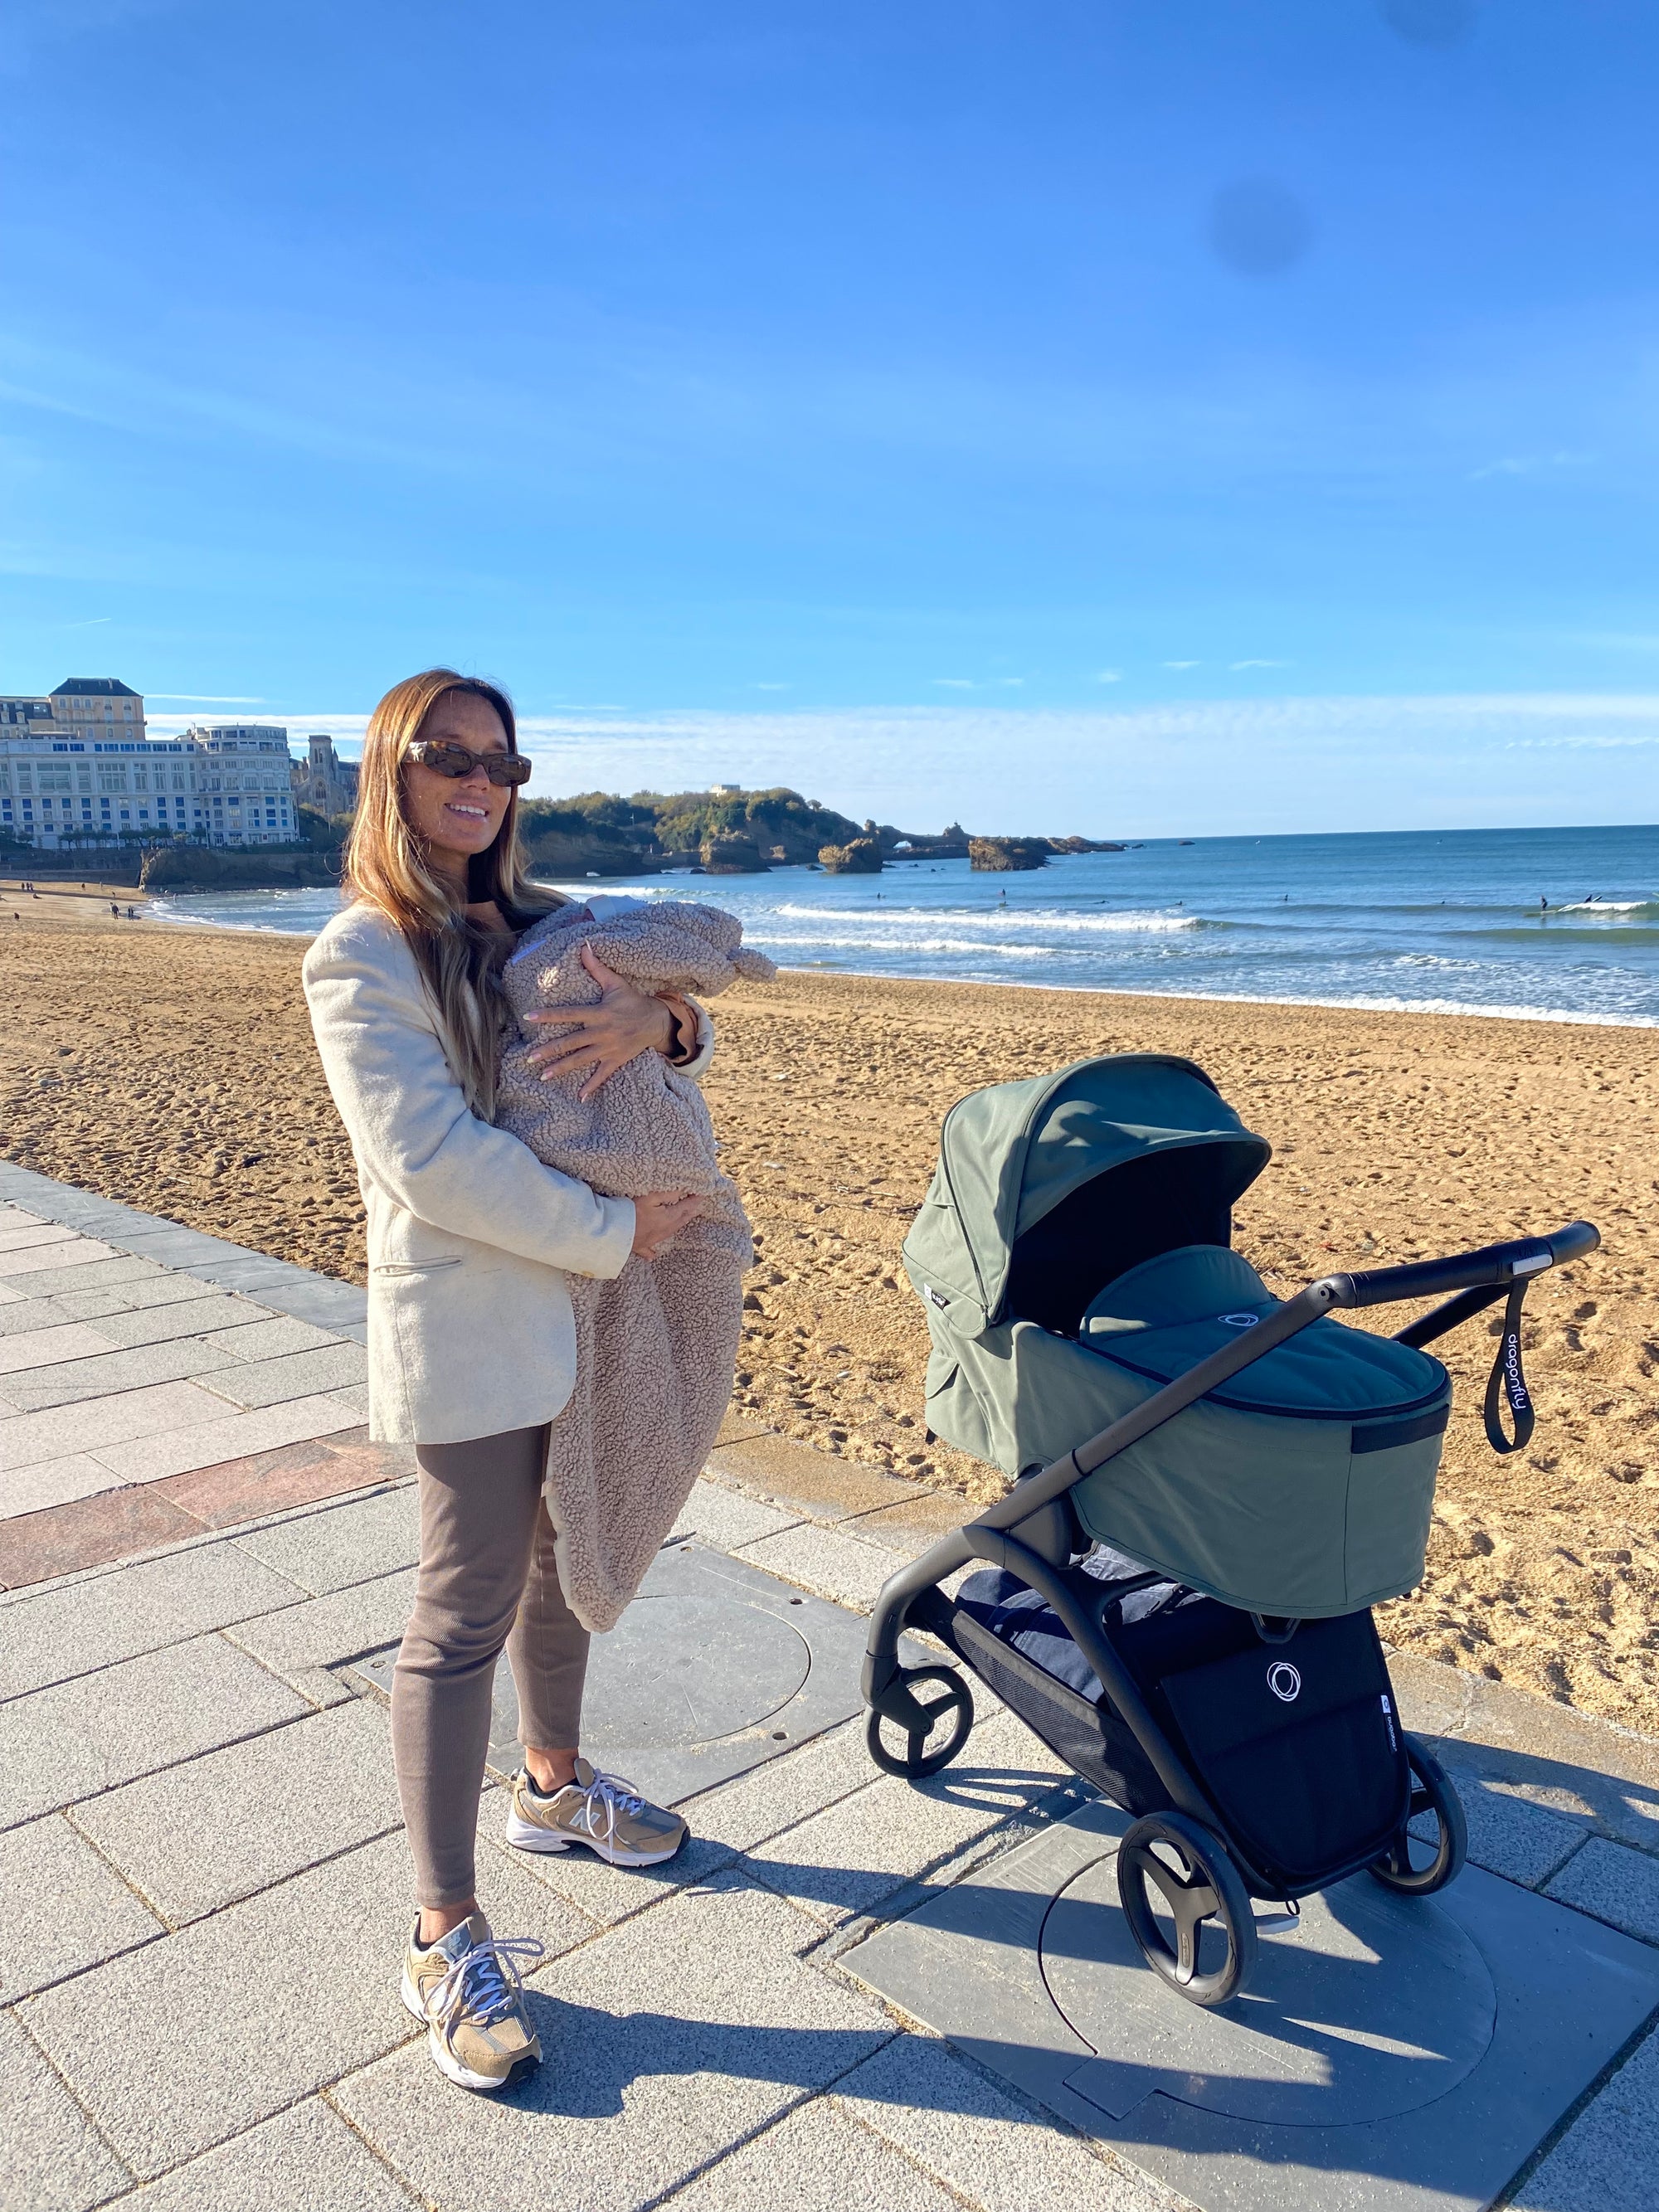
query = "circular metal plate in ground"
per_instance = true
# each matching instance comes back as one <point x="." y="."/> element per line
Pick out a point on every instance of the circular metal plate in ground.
<point x="679" y="1670"/>
<point x="1374" y="2005"/>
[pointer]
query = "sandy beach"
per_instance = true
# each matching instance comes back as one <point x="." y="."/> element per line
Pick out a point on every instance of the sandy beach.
<point x="173" y="1066"/>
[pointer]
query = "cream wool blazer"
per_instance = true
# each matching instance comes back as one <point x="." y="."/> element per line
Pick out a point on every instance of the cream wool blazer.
<point x="470" y="1236"/>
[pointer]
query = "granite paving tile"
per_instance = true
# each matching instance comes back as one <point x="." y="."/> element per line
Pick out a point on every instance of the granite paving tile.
<point x="25" y="1316"/>
<point x="826" y="1561"/>
<point x="103" y="1619"/>
<point x="62" y="1744"/>
<point x="303" y="1643"/>
<point x="785" y="1790"/>
<point x="301" y="1375"/>
<point x="234" y="1822"/>
<point x="61" y="1908"/>
<point x="1523" y="1842"/>
<point x="205" y="1317"/>
<point x="51" y="1483"/>
<point x="241" y="1490"/>
<point x="72" y="1254"/>
<point x="230" y="1436"/>
<point x="26" y="1438"/>
<point x="21" y="1349"/>
<point x="306" y="2159"/>
<point x="997" y="2154"/>
<point x="115" y="1525"/>
<point x="1609" y="2159"/>
<point x="1614" y="1884"/>
<point x="727" y="1518"/>
<point x="167" y="2052"/>
<point x="665" y="2041"/>
<point x="828" y="1487"/>
<point x="25" y="1236"/>
<point x="8" y="1297"/>
<point x="55" y="2159"/>
<point x="911" y="1527"/>
<point x="817" y="2159"/>
<point x="843" y="1862"/>
<point x="341" y="1544"/>
<point x="132" y="1368"/>
<point x="269" y="1340"/>
<point x="355" y="1394"/>
<point x="139" y="1284"/>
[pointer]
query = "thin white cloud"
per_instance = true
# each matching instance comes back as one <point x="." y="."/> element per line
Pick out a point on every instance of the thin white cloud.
<point x="208" y="698"/>
<point x="1529" y="464"/>
<point x="955" y="683"/>
<point x="1109" y="676"/>
<point x="1237" y="665"/>
<point x="774" y="687"/>
<point x="1183" y="664"/>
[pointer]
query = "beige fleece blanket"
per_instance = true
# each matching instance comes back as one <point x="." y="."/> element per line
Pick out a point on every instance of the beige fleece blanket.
<point x="656" y="1347"/>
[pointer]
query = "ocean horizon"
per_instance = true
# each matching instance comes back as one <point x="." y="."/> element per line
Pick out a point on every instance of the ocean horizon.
<point x="1554" y="925"/>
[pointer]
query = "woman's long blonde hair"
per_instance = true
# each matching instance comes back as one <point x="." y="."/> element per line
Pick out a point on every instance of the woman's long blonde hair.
<point x="387" y="866"/>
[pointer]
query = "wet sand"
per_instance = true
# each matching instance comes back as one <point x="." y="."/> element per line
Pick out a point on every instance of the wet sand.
<point x="172" y="1066"/>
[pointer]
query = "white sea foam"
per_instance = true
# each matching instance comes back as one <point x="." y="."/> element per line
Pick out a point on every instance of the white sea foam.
<point x="1606" y="906"/>
<point x="775" y="941"/>
<point x="1133" y="921"/>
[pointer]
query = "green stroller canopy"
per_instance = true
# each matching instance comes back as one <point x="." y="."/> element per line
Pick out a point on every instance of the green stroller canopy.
<point x="1010" y="1156"/>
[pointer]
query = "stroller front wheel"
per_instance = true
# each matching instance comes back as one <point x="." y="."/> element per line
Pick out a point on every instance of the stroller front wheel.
<point x="915" y="1762"/>
<point x="1206" y="1888"/>
<point x="1433" y="1791"/>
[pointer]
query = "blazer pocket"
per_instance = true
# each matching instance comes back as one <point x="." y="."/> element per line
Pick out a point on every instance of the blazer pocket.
<point x="413" y="1267"/>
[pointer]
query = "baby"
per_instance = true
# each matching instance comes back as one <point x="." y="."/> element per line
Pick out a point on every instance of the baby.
<point x="656" y="1346"/>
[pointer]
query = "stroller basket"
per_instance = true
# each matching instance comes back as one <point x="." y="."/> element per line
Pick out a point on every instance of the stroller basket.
<point x="1213" y="1488"/>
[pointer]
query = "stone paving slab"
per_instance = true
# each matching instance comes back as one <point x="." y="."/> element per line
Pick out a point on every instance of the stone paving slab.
<point x="23" y="1236"/>
<point x="266" y="1339"/>
<point x="28" y="1438"/>
<point x="728" y="1518"/>
<point x="817" y="2159"/>
<point x="87" y="1532"/>
<point x="843" y="1862"/>
<point x="73" y="1253"/>
<point x="827" y="1488"/>
<point x="226" y="1826"/>
<point x="300" y="1375"/>
<point x="973" y="2136"/>
<point x="1614" y="1884"/>
<point x="223" y="1436"/>
<point x="26" y="1348"/>
<point x="763" y="1804"/>
<point x="303" y="1644"/>
<point x="194" y="2038"/>
<point x="241" y="1490"/>
<point x="665" y="2041"/>
<point x="68" y="1742"/>
<point x="341" y="1545"/>
<point x="62" y="1908"/>
<point x="56" y="2160"/>
<point x="128" y="1285"/>
<point x="829" y="1562"/>
<point x="1609" y="2159"/>
<point x="72" y="1382"/>
<point x="216" y="1318"/>
<point x="51" y="1483"/>
<point x="306" y="2159"/>
<point x="57" y="1634"/>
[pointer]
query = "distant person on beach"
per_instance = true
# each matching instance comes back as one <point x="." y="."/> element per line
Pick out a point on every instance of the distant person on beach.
<point x="471" y="1342"/>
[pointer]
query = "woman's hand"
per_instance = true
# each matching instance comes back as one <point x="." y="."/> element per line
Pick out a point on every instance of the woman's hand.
<point x="659" y="1218"/>
<point x="603" y="1038"/>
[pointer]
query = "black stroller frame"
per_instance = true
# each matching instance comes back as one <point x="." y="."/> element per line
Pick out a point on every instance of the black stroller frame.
<point x="1029" y="1533"/>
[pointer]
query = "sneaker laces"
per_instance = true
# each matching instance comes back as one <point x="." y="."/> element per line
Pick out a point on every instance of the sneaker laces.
<point x="606" y="1797"/>
<point x="485" y="1984"/>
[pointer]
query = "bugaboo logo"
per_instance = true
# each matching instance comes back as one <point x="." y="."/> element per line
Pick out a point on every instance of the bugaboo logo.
<point x="1283" y="1681"/>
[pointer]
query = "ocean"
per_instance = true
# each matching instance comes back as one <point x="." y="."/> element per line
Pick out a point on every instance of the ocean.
<point x="1551" y="924"/>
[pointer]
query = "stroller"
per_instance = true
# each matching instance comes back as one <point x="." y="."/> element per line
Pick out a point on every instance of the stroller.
<point x="1212" y="1489"/>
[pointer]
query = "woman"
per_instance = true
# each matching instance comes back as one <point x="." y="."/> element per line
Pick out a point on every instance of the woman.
<point x="471" y="1351"/>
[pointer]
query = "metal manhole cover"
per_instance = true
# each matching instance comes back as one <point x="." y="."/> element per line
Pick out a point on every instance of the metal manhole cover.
<point x="1375" y="2005"/>
<point x="715" y="1668"/>
<point x="679" y="1670"/>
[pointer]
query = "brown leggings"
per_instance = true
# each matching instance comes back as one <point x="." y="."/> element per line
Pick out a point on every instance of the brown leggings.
<point x="487" y="1579"/>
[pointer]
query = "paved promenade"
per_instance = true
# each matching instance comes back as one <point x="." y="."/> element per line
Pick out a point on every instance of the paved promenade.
<point x="203" y="1884"/>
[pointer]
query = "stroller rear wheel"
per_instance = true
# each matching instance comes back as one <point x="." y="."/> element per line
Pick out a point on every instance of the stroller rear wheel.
<point x="1431" y="1792"/>
<point x="916" y="1761"/>
<point x="1207" y="1887"/>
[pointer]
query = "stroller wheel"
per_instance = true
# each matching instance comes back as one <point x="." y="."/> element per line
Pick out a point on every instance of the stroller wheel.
<point x="1431" y="1792"/>
<point x="1207" y="1887"/>
<point x="916" y="1760"/>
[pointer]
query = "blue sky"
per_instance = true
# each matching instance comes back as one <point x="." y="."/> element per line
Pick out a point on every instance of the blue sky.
<point x="1159" y="415"/>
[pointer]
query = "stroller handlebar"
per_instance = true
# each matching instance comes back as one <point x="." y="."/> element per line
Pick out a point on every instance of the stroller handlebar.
<point x="1494" y="1265"/>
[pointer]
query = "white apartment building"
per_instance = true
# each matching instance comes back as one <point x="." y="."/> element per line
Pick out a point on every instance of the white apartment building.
<point x="83" y="772"/>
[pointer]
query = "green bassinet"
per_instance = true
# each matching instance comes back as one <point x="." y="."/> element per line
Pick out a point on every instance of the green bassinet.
<point x="1074" y="1257"/>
